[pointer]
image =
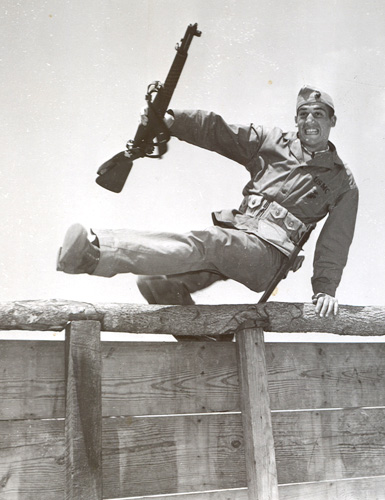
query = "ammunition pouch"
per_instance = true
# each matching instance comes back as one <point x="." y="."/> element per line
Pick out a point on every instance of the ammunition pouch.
<point x="274" y="223"/>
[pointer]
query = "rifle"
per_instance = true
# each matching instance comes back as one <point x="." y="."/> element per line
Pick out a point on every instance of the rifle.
<point x="292" y="262"/>
<point x="113" y="174"/>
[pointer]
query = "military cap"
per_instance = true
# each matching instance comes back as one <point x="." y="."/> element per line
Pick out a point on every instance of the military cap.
<point x="308" y="95"/>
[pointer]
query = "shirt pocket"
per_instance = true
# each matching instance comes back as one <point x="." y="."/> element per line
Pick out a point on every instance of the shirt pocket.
<point x="314" y="203"/>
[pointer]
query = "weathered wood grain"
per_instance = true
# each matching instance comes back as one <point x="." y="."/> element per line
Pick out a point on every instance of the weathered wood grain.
<point x="53" y="315"/>
<point x="181" y="454"/>
<point x="261" y="470"/>
<point x="172" y="454"/>
<point x="372" y="488"/>
<point x="139" y="455"/>
<point x="335" y="375"/>
<point x="327" y="445"/>
<point x="240" y="494"/>
<point x="354" y="489"/>
<point x="31" y="379"/>
<point x="32" y="460"/>
<point x="83" y="422"/>
<point x="161" y="378"/>
<point x="141" y="378"/>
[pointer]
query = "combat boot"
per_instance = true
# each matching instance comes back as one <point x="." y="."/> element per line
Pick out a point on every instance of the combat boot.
<point x="77" y="255"/>
<point x="163" y="290"/>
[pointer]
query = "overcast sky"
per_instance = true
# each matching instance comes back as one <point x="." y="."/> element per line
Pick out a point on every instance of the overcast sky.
<point x="74" y="75"/>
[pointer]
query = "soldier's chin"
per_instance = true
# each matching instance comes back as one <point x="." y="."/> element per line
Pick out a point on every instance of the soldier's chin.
<point x="310" y="139"/>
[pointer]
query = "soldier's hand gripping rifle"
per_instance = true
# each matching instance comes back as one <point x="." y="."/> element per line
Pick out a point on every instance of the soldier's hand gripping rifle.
<point x="113" y="173"/>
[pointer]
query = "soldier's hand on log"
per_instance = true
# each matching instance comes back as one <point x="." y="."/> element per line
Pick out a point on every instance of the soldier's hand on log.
<point x="325" y="305"/>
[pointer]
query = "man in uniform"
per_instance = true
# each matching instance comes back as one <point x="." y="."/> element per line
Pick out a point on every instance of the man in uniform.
<point x="296" y="179"/>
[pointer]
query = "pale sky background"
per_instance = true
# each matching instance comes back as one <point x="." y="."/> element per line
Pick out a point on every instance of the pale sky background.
<point x="74" y="76"/>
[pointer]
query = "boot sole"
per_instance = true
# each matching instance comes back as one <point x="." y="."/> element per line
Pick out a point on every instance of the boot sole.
<point x="70" y="254"/>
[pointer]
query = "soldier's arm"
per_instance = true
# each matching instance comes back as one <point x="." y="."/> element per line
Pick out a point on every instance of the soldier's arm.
<point x="332" y="252"/>
<point x="210" y="131"/>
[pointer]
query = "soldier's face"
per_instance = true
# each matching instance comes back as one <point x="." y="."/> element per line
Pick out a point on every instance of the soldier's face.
<point x="314" y="124"/>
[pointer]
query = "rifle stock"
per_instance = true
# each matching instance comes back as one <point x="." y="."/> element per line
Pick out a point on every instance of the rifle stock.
<point x="113" y="174"/>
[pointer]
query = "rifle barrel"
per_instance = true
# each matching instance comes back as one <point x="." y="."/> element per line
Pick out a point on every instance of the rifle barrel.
<point x="163" y="97"/>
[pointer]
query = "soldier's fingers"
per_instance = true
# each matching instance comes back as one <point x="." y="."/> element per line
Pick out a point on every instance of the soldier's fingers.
<point x="330" y="307"/>
<point x="144" y="116"/>
<point x="319" y="304"/>
<point x="324" y="307"/>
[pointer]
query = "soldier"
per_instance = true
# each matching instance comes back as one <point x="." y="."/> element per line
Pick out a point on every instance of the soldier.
<point x="296" y="179"/>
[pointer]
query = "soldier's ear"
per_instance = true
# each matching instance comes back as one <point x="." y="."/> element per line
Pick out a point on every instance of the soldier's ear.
<point x="296" y="121"/>
<point x="334" y="120"/>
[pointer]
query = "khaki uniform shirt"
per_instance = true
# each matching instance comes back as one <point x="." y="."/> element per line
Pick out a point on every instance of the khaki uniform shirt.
<point x="309" y="190"/>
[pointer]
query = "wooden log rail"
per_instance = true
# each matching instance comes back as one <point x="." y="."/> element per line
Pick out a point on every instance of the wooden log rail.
<point x="54" y="315"/>
<point x="95" y="453"/>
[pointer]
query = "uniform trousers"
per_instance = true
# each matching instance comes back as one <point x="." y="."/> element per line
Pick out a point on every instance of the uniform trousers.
<point x="196" y="258"/>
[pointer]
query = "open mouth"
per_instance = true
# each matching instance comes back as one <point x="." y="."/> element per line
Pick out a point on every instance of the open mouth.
<point x="311" y="131"/>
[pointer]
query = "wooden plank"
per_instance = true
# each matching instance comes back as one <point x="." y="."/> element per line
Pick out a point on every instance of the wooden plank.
<point x="53" y="315"/>
<point x="169" y="378"/>
<point x="140" y="456"/>
<point x="138" y="378"/>
<point x="83" y="424"/>
<point x="164" y="455"/>
<point x="32" y="460"/>
<point x="31" y="379"/>
<point x="358" y="489"/>
<point x="261" y="470"/>
<point x="372" y="488"/>
<point x="240" y="494"/>
<point x="325" y="375"/>
<point x="179" y="454"/>
<point x="353" y="489"/>
<point x="144" y="456"/>
<point x="142" y="378"/>
<point x="327" y="445"/>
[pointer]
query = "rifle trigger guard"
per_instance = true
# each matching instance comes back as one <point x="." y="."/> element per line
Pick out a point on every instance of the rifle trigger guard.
<point x="162" y="133"/>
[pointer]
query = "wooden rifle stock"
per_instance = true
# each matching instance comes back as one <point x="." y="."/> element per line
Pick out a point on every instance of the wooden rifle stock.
<point x="113" y="174"/>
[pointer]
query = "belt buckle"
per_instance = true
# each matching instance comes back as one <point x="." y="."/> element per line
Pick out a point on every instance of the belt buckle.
<point x="264" y="206"/>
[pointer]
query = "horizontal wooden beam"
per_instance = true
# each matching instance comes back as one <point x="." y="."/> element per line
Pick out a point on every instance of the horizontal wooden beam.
<point x="53" y="315"/>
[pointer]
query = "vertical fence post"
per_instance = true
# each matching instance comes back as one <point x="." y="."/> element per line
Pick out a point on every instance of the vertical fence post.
<point x="83" y="424"/>
<point x="261" y="468"/>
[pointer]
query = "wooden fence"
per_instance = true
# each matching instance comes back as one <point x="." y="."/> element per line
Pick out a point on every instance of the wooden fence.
<point x="85" y="419"/>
